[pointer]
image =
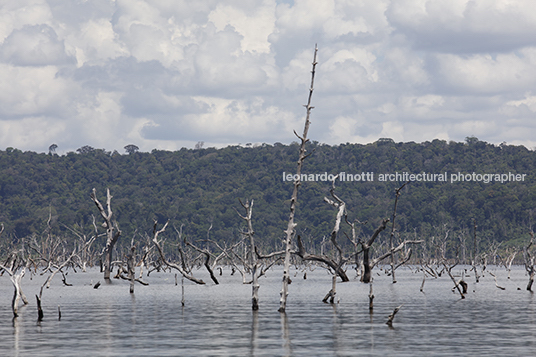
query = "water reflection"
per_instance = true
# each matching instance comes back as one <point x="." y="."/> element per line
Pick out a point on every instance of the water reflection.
<point x="285" y="335"/>
<point x="254" y="346"/>
<point x="16" y="335"/>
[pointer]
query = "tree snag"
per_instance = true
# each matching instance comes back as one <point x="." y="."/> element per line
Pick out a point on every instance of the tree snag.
<point x="15" y="276"/>
<point x="335" y="264"/>
<point x="391" y="236"/>
<point x="365" y="247"/>
<point x="253" y="259"/>
<point x="112" y="231"/>
<point x="529" y="263"/>
<point x="291" y="225"/>
<point x="163" y="258"/>
<point x="392" y="316"/>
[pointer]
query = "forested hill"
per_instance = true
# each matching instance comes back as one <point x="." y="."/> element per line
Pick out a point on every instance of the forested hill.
<point x="200" y="188"/>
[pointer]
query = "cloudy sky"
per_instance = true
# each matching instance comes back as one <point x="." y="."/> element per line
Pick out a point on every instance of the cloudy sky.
<point x="168" y="73"/>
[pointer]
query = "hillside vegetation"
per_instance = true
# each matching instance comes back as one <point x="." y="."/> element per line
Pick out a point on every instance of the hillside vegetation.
<point x="199" y="188"/>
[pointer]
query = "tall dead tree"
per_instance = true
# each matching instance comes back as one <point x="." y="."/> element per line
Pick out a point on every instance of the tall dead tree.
<point x="112" y="231"/>
<point x="290" y="231"/>
<point x="253" y="261"/>
<point x="392" y="235"/>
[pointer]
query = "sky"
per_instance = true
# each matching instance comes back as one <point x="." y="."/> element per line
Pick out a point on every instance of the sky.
<point x="167" y="74"/>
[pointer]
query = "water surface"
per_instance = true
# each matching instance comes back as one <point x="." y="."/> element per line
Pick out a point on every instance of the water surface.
<point x="217" y="319"/>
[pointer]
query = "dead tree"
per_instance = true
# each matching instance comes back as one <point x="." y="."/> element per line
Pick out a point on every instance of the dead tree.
<point x="474" y="254"/>
<point x="131" y="268"/>
<point x="85" y="253"/>
<point x="529" y="262"/>
<point x="250" y="262"/>
<point x="392" y="316"/>
<point x="290" y="231"/>
<point x="442" y="247"/>
<point x="253" y="260"/>
<point x="331" y="294"/>
<point x="368" y="263"/>
<point x="391" y="236"/>
<point x="208" y="255"/>
<point x="335" y="264"/>
<point x="112" y="231"/>
<point x="57" y="268"/>
<point x="165" y="261"/>
<point x="16" y="269"/>
<point x="510" y="256"/>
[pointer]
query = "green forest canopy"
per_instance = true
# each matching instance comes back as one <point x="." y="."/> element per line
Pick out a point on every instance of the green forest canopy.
<point x="198" y="188"/>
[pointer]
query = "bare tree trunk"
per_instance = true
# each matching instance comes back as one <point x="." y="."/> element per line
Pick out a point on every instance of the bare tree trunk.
<point x="252" y="256"/>
<point x="331" y="294"/>
<point x="131" y="268"/>
<point x="391" y="236"/>
<point x="112" y="231"/>
<point x="371" y="299"/>
<point x="291" y="225"/>
<point x="529" y="263"/>
<point x="392" y="316"/>
<point x="18" y="295"/>
<point x="475" y="252"/>
<point x="367" y="272"/>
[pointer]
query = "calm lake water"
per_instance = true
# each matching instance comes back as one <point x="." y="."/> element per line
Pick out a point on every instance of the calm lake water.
<point x="217" y="319"/>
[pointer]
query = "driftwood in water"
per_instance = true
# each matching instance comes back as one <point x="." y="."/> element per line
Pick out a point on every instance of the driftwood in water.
<point x="496" y="284"/>
<point x="392" y="316"/>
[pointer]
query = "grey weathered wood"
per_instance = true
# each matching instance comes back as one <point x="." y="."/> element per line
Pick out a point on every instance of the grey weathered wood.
<point x="392" y="316"/>
<point x="156" y="233"/>
<point x="289" y="232"/>
<point x="112" y="231"/>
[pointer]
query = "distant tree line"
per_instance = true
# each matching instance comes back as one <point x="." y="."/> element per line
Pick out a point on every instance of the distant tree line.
<point x="200" y="188"/>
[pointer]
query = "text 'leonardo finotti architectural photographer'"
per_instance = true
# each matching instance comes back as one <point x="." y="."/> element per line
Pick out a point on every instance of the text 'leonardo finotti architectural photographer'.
<point x="406" y="176"/>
